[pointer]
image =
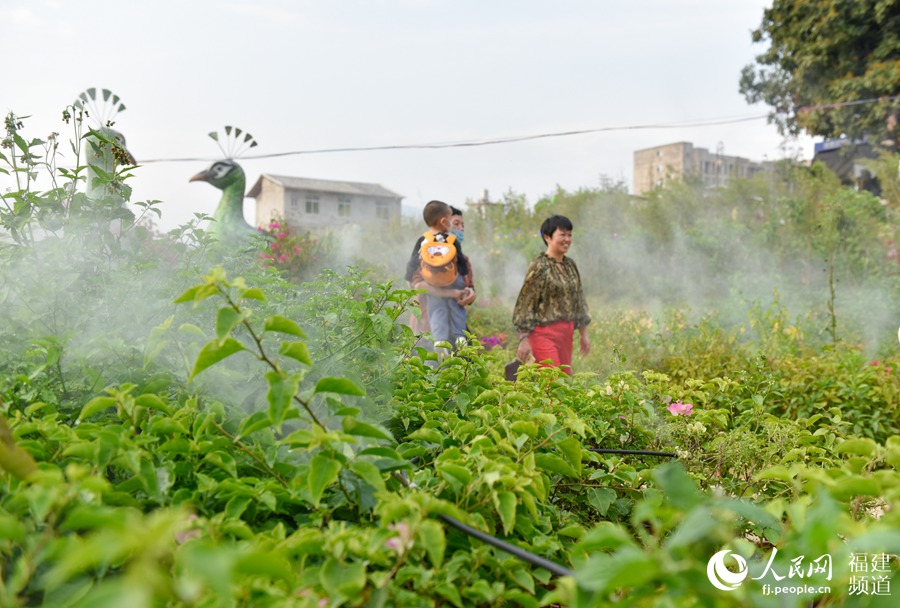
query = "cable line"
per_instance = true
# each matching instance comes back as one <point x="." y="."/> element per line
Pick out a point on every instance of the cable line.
<point x="479" y="142"/>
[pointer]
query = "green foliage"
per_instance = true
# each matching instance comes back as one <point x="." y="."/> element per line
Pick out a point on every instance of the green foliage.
<point x="823" y="53"/>
<point x="225" y="437"/>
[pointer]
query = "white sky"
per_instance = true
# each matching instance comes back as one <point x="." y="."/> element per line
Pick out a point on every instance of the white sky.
<point x="309" y="74"/>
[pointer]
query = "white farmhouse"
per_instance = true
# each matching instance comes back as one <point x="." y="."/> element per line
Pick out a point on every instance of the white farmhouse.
<point x="310" y="204"/>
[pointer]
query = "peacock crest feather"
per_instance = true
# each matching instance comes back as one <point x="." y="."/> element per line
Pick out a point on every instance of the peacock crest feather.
<point x="101" y="109"/>
<point x="234" y="145"/>
<point x="228" y="176"/>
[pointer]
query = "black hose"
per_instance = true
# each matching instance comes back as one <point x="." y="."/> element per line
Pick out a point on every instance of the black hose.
<point x="531" y="558"/>
<point x="522" y="554"/>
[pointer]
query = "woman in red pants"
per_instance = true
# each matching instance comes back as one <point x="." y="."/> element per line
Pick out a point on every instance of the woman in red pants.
<point x="551" y="304"/>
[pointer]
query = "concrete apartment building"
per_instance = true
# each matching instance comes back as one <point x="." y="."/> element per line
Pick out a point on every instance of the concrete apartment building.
<point x="657" y="166"/>
<point x="310" y="204"/>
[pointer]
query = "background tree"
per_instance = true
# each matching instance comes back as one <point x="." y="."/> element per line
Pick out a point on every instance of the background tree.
<point x="827" y="52"/>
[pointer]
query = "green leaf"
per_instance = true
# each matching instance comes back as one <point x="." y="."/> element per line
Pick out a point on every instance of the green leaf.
<point x="457" y="472"/>
<point x="352" y="426"/>
<point x="281" y="393"/>
<point x="197" y="293"/>
<point x="296" y="350"/>
<point x="861" y="446"/>
<point x="163" y="425"/>
<point x="323" y="471"/>
<point x="345" y="579"/>
<point x="98" y="404"/>
<point x="265" y="563"/>
<point x="253" y="293"/>
<point x="600" y="498"/>
<point x="214" y="352"/>
<point x="490" y="395"/>
<point x="152" y="402"/>
<point x="284" y="325"/>
<point x="255" y="422"/>
<point x="523" y="579"/>
<point x="117" y="593"/>
<point x="341" y="386"/>
<point x="381" y="451"/>
<point x="11" y="528"/>
<point x="778" y="473"/>
<point x="696" y="526"/>
<point x="226" y="319"/>
<point x="431" y="534"/>
<point x="88" y="517"/>
<point x="223" y="460"/>
<point x="605" y="536"/>
<point x="506" y="507"/>
<point x="449" y="593"/>
<point x="554" y="464"/>
<point x="369" y="473"/>
<point x="680" y="489"/>
<point x="629" y="567"/>
<point x="855" y="485"/>
<point x="570" y="448"/>
<point x="427" y="434"/>
<point x="211" y="563"/>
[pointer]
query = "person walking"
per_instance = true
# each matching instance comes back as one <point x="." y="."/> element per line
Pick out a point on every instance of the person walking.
<point x="551" y="304"/>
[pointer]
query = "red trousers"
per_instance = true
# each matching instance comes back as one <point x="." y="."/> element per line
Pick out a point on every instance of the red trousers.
<point x="553" y="342"/>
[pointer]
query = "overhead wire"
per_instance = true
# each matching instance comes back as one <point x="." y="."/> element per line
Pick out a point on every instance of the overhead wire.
<point x="479" y="142"/>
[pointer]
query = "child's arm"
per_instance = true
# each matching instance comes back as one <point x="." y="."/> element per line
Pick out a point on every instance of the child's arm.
<point x="438" y="292"/>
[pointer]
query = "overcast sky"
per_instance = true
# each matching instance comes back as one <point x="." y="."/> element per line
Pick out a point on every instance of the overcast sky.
<point x="314" y="74"/>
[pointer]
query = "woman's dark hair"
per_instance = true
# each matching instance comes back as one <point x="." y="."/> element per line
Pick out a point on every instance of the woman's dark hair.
<point x="552" y="224"/>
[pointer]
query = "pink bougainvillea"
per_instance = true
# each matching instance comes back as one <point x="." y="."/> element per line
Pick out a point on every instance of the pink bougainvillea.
<point x="287" y="250"/>
<point x="680" y="409"/>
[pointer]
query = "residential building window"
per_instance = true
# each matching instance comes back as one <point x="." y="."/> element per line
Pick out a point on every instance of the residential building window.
<point x="344" y="207"/>
<point x="312" y="204"/>
<point x="295" y="203"/>
<point x="383" y="210"/>
<point x="659" y="168"/>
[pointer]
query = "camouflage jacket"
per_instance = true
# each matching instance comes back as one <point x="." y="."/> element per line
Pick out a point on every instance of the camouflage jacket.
<point x="549" y="294"/>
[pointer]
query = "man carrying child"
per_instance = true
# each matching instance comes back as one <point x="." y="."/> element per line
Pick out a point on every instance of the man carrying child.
<point x="446" y="292"/>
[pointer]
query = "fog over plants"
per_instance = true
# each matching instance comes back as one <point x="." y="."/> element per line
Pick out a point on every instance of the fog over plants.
<point x="189" y="420"/>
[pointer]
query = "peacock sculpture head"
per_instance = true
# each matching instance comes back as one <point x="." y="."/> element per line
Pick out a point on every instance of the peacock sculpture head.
<point x="106" y="149"/>
<point x="228" y="176"/>
<point x="221" y="174"/>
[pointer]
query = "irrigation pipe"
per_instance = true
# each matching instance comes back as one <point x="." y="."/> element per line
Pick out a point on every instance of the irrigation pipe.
<point x="527" y="556"/>
<point x="522" y="554"/>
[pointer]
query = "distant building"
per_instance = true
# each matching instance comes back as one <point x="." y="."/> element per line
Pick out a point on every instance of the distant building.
<point x="318" y="203"/>
<point x="657" y="166"/>
<point x="844" y="158"/>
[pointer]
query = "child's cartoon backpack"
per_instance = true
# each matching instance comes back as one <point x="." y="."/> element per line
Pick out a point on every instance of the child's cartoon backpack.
<point x="438" y="259"/>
